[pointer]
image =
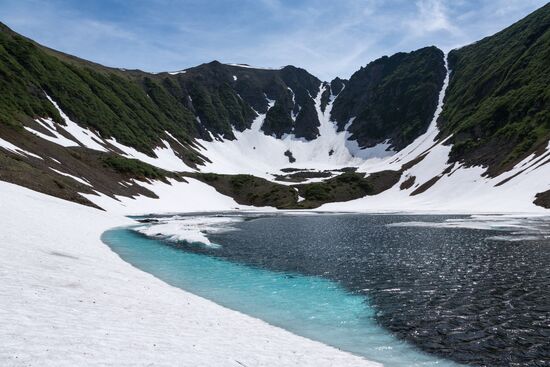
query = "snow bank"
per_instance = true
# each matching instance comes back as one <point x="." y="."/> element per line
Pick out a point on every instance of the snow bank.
<point x="68" y="300"/>
<point x="173" y="197"/>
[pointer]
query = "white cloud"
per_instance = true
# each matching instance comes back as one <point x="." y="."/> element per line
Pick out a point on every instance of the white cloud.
<point x="431" y="17"/>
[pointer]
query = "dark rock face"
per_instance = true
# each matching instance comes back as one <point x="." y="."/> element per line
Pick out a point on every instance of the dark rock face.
<point x="226" y="96"/>
<point x="333" y="88"/>
<point x="291" y="158"/>
<point x="336" y="85"/>
<point x="307" y="122"/>
<point x="392" y="98"/>
<point x="278" y="120"/>
<point x="294" y="110"/>
<point x="497" y="105"/>
<point x="543" y="199"/>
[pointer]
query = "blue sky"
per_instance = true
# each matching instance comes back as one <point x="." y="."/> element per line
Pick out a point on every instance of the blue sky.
<point x="327" y="37"/>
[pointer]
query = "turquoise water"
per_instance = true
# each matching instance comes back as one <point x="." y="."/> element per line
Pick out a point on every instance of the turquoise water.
<point x="310" y="306"/>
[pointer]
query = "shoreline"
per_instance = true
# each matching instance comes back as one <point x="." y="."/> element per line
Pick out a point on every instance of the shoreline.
<point x="65" y="290"/>
<point x="69" y="299"/>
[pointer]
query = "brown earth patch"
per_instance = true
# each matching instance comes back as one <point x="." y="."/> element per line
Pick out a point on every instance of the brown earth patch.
<point x="408" y="183"/>
<point x="543" y="199"/>
<point x="426" y="185"/>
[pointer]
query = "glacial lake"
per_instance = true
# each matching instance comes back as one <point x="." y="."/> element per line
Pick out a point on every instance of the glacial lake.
<point x="403" y="290"/>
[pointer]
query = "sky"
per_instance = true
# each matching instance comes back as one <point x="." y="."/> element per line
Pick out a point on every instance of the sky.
<point x="329" y="38"/>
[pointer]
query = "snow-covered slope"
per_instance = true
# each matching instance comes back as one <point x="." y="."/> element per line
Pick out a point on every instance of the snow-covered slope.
<point x="287" y="126"/>
<point x="258" y="154"/>
<point x="456" y="188"/>
<point x="68" y="300"/>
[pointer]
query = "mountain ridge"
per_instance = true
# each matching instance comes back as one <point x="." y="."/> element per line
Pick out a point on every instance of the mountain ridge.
<point x="111" y="125"/>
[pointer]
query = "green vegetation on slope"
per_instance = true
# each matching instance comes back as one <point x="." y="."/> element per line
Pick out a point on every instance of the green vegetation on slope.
<point x="498" y="102"/>
<point x="347" y="186"/>
<point x="113" y="104"/>
<point x="133" y="168"/>
<point x="250" y="190"/>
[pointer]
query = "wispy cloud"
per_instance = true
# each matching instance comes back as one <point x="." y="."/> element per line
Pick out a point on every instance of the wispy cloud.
<point x="329" y="38"/>
<point x="432" y="16"/>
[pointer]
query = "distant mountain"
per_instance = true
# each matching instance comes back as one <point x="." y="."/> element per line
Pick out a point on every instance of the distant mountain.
<point x="282" y="137"/>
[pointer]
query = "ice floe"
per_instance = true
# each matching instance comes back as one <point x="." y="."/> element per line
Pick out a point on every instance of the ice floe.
<point x="191" y="229"/>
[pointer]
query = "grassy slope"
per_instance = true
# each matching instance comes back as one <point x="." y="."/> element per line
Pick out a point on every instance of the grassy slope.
<point x="251" y="190"/>
<point x="498" y="101"/>
<point x="137" y="107"/>
<point x="112" y="103"/>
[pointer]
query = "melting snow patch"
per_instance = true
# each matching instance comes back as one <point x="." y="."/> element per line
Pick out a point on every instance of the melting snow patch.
<point x="84" y="136"/>
<point x="189" y="229"/>
<point x="81" y="180"/>
<point x="166" y="158"/>
<point x="57" y="138"/>
<point x="520" y="228"/>
<point x="14" y="149"/>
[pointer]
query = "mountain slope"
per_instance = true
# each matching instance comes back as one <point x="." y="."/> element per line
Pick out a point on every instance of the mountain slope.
<point x="391" y="98"/>
<point x="224" y="97"/>
<point x="108" y="101"/>
<point x="386" y="138"/>
<point x="498" y="102"/>
<point x="136" y="108"/>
